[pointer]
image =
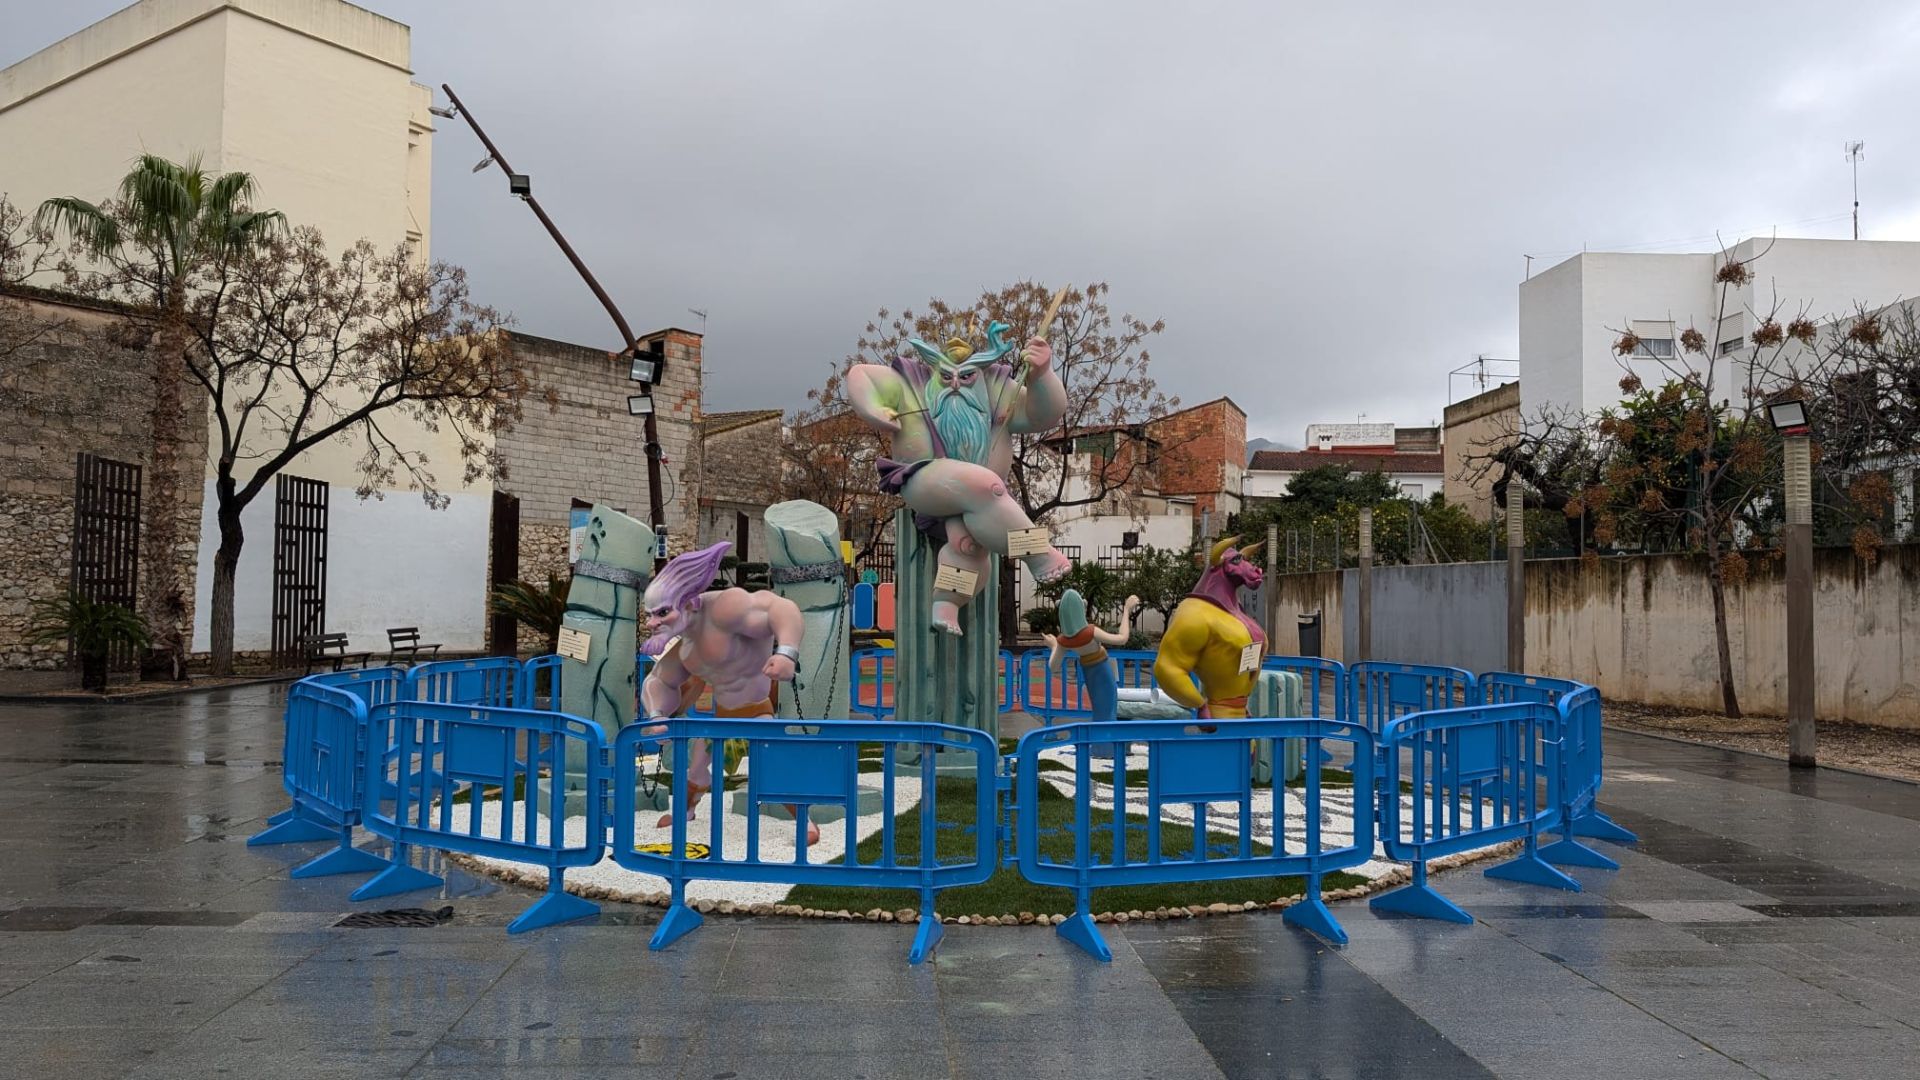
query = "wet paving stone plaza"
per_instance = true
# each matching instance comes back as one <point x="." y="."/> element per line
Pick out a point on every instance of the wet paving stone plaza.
<point x="1767" y="924"/>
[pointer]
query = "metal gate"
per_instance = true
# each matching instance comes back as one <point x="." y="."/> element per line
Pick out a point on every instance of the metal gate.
<point x="503" y="630"/>
<point x="106" y="539"/>
<point x="879" y="560"/>
<point x="299" y="566"/>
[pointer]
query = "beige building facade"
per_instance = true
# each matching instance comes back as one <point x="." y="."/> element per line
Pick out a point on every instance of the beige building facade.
<point x="1475" y="427"/>
<point x="316" y="100"/>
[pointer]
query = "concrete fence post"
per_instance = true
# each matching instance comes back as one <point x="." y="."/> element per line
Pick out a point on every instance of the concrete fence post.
<point x="1516" y="579"/>
<point x="1364" y="638"/>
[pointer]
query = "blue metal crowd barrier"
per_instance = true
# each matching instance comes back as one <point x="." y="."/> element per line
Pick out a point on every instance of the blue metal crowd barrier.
<point x="1580" y="779"/>
<point x="870" y="677"/>
<point x="373" y="686"/>
<point x="417" y="757"/>
<point x="816" y="764"/>
<point x="1379" y="692"/>
<point x="499" y="681"/>
<point x="326" y="731"/>
<point x="554" y="668"/>
<point x="1186" y="765"/>
<point x="1473" y="776"/>
<point x="442" y="762"/>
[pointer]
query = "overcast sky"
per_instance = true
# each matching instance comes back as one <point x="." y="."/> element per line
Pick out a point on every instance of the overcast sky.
<point x="1329" y="210"/>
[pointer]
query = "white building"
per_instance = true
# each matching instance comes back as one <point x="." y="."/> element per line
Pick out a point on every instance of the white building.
<point x="314" y="98"/>
<point x="1409" y="457"/>
<point x="1572" y="314"/>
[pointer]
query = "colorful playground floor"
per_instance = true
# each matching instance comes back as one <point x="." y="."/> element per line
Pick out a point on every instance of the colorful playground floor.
<point x="1766" y="925"/>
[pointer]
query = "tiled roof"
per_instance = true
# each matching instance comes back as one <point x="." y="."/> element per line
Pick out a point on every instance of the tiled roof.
<point x="1301" y="460"/>
<point x="715" y="423"/>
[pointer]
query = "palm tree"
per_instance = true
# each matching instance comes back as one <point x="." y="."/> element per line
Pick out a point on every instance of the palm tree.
<point x="169" y="219"/>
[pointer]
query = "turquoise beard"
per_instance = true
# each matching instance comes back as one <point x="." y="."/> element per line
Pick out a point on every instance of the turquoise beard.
<point x="960" y="418"/>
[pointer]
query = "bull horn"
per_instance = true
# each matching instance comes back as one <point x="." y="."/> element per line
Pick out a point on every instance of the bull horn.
<point x="1248" y="551"/>
<point x="1220" y="549"/>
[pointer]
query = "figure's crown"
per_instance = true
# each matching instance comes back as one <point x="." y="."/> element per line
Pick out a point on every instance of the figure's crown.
<point x="958" y="349"/>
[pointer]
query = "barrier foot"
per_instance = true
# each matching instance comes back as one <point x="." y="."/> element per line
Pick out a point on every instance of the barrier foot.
<point x="1530" y="869"/>
<point x="926" y="938"/>
<point x="1080" y="930"/>
<point x="679" y="921"/>
<point x="1311" y="914"/>
<point x="1570" y="852"/>
<point x="556" y="907"/>
<point x="345" y="859"/>
<point x="397" y="878"/>
<point x="290" y="830"/>
<point x="1599" y="826"/>
<point x="1420" y="901"/>
<point x="284" y="815"/>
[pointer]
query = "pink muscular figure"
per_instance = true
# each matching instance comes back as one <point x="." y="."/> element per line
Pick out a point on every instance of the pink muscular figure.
<point x="738" y="643"/>
<point x="952" y="414"/>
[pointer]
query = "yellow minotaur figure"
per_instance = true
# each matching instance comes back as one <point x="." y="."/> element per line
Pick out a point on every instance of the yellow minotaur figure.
<point x="1210" y="637"/>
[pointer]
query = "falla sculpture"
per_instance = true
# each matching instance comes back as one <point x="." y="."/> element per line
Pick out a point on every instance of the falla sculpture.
<point x="736" y="642"/>
<point x="951" y="413"/>
<point x="1211" y="638"/>
<point x="1088" y="644"/>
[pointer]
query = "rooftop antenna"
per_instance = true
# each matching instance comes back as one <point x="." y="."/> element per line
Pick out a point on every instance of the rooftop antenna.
<point x="702" y="312"/>
<point x="1855" y="151"/>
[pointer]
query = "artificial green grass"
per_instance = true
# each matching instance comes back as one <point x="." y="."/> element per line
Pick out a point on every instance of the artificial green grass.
<point x="1008" y="892"/>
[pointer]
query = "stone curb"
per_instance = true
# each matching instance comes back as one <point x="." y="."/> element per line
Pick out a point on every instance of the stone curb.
<point x="1393" y="878"/>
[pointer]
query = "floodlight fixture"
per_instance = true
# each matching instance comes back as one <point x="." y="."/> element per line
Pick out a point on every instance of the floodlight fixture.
<point x="519" y="184"/>
<point x="640" y="405"/>
<point x="646" y="368"/>
<point x="442" y="112"/>
<point x="484" y="162"/>
<point x="1789" y="416"/>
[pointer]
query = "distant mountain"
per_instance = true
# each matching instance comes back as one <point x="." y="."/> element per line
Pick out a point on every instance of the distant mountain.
<point x="1254" y="446"/>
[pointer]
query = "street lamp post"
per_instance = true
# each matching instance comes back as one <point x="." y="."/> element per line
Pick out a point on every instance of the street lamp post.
<point x="1790" y="419"/>
<point x="647" y="360"/>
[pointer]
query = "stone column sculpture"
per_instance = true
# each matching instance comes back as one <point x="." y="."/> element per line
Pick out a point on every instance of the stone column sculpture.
<point x="942" y="677"/>
<point x="803" y="550"/>
<point x="616" y="562"/>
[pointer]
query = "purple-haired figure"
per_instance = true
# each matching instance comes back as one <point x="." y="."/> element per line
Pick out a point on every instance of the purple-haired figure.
<point x="736" y="642"/>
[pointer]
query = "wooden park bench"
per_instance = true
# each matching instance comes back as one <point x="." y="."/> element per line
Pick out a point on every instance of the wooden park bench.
<point x="405" y="647"/>
<point x="331" y="650"/>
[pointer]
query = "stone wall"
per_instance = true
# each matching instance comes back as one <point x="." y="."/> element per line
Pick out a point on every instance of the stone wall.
<point x="69" y="393"/>
<point x="742" y="466"/>
<point x="587" y="446"/>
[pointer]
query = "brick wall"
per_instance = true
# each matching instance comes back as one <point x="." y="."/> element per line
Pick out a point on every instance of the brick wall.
<point x="71" y="393"/>
<point x="1203" y="454"/>
<point x="587" y="446"/>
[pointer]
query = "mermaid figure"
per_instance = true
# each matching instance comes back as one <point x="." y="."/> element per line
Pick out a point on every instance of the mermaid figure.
<point x="1087" y="642"/>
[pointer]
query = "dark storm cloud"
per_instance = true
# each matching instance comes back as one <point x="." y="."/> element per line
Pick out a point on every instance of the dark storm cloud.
<point x="1328" y="208"/>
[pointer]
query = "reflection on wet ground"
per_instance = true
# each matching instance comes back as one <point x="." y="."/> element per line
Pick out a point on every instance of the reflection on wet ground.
<point x="1767" y="925"/>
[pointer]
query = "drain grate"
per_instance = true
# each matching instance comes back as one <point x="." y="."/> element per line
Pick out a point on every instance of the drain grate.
<point x="370" y="920"/>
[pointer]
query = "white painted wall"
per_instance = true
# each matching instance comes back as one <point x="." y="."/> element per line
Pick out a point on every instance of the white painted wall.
<point x="1572" y="313"/>
<point x="390" y="562"/>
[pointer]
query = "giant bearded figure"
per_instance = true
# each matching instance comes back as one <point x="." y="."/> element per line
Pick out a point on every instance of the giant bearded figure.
<point x="737" y="642"/>
<point x="952" y="414"/>
<point x="1210" y="638"/>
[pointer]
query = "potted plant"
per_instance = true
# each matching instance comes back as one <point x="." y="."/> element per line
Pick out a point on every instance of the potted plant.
<point x="95" y="628"/>
<point x="540" y="610"/>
